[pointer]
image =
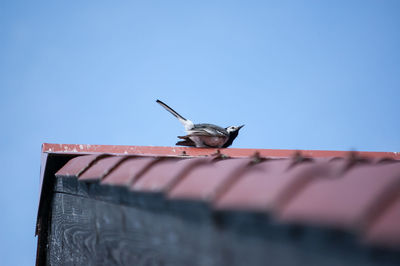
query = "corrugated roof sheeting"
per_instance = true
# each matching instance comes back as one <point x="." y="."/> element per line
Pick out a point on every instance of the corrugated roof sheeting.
<point x="355" y="194"/>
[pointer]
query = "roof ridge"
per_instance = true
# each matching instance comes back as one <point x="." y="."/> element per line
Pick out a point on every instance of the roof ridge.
<point x="195" y="152"/>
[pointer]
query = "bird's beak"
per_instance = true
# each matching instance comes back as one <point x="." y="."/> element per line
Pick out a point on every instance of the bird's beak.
<point x="240" y="126"/>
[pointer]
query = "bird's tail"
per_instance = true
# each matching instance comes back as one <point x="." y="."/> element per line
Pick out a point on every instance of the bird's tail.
<point x="186" y="123"/>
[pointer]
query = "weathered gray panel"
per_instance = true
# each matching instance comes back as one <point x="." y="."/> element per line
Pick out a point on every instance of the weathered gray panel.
<point x="90" y="232"/>
<point x="86" y="231"/>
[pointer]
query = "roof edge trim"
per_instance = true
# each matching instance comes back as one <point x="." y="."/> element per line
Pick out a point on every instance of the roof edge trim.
<point x="189" y="151"/>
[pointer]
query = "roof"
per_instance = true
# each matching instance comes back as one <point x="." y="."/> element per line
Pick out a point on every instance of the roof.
<point x="190" y="151"/>
<point x="354" y="192"/>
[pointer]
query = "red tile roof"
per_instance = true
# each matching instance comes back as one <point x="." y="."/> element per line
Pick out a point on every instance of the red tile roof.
<point x="355" y="192"/>
<point x="345" y="200"/>
<point x="385" y="228"/>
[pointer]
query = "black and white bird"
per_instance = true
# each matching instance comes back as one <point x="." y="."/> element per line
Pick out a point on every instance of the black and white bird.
<point x="204" y="135"/>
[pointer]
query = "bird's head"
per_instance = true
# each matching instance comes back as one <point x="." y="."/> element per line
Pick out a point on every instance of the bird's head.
<point x="233" y="129"/>
<point x="233" y="133"/>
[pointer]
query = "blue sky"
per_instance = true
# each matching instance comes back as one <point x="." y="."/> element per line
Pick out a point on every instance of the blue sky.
<point x="299" y="74"/>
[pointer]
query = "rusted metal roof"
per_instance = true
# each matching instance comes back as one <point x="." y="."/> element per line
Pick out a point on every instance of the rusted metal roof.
<point x="178" y="151"/>
<point x="344" y="190"/>
<point x="354" y="192"/>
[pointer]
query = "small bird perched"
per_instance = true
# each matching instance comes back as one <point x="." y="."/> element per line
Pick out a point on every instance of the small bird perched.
<point x="204" y="135"/>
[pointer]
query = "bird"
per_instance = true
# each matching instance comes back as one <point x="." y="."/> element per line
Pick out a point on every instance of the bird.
<point x="204" y="135"/>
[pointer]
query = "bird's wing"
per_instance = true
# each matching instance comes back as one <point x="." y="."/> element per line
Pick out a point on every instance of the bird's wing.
<point x="207" y="130"/>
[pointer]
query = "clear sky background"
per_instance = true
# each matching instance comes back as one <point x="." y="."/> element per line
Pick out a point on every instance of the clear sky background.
<point x="299" y="74"/>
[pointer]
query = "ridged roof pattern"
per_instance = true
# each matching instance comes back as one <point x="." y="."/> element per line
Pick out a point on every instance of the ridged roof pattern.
<point x="353" y="193"/>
